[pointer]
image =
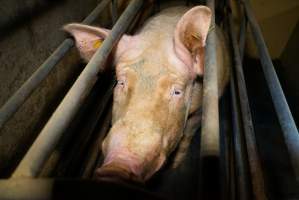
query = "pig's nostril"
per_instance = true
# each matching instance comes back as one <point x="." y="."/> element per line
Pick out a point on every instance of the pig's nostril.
<point x="115" y="173"/>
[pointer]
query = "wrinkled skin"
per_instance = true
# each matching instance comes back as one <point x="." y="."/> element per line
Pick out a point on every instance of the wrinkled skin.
<point x="155" y="69"/>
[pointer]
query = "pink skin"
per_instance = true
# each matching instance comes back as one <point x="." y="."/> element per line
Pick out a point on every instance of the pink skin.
<point x="135" y="151"/>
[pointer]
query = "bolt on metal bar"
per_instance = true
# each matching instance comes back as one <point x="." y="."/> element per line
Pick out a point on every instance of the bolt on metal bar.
<point x="257" y="178"/>
<point x="20" y="96"/>
<point x="65" y="112"/>
<point x="281" y="106"/>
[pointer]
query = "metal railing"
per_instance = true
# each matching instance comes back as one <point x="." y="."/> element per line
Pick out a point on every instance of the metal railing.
<point x="45" y="143"/>
<point x="20" y="96"/>
<point x="281" y="106"/>
<point x="249" y="175"/>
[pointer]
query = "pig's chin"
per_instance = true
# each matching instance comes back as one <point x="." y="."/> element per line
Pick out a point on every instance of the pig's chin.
<point x="118" y="167"/>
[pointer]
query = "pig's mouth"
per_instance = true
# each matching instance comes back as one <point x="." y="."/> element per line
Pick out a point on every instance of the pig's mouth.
<point x="116" y="173"/>
<point x="120" y="167"/>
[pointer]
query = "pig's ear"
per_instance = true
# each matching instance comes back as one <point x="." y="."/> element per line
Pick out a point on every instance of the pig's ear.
<point x="190" y="38"/>
<point x="89" y="38"/>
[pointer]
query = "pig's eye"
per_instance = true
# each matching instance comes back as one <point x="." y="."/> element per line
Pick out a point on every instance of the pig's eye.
<point x="175" y="92"/>
<point x="120" y="83"/>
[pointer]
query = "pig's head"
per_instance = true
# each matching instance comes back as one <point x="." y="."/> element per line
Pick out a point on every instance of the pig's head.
<point x="155" y="70"/>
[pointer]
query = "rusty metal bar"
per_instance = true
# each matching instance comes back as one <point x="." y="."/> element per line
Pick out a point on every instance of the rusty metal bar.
<point x="63" y="115"/>
<point x="257" y="178"/>
<point x="281" y="106"/>
<point x="20" y="96"/>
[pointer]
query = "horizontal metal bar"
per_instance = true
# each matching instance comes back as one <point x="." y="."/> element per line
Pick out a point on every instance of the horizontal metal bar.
<point x="63" y="115"/>
<point x="257" y="178"/>
<point x="20" y="96"/>
<point x="281" y="106"/>
<point x="36" y="189"/>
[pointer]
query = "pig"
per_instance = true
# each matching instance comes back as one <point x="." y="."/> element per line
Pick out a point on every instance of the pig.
<point x="159" y="70"/>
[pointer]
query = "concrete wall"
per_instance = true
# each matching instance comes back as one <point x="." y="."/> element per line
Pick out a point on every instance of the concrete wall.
<point x="29" y="32"/>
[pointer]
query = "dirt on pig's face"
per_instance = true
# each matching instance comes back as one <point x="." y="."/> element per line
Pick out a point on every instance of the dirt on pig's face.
<point x="149" y="108"/>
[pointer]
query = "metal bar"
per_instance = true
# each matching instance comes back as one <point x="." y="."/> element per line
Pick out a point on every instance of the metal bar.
<point x="281" y="106"/>
<point x="242" y="178"/>
<point x="114" y="12"/>
<point x="77" y="154"/>
<point x="99" y="103"/>
<point x="61" y="118"/>
<point x="36" y="189"/>
<point x="210" y="139"/>
<point x="210" y="120"/>
<point x="242" y="36"/>
<point x="258" y="183"/>
<point x="94" y="152"/>
<point x="20" y="96"/>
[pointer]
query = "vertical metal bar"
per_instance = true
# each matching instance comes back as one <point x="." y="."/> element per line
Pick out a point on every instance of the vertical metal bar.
<point x="61" y="118"/>
<point x="210" y="140"/>
<point x="242" y="179"/>
<point x="20" y="96"/>
<point x="281" y="106"/>
<point x="258" y="183"/>
<point x="240" y="161"/>
<point x="114" y="12"/>
<point x="210" y="121"/>
<point x="242" y="36"/>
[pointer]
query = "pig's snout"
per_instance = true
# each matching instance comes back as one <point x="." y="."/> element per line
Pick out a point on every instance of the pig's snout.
<point x="116" y="172"/>
<point x="120" y="166"/>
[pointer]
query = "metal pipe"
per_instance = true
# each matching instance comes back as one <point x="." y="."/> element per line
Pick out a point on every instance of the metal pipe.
<point x="242" y="178"/>
<point x="95" y="151"/>
<point x="242" y="36"/>
<point x="20" y="96"/>
<point x="281" y="106"/>
<point x="210" y="120"/>
<point x="258" y="183"/>
<point x="210" y="140"/>
<point x="63" y="115"/>
<point x="99" y="104"/>
<point x="36" y="189"/>
<point x="114" y="12"/>
<point x="78" y="152"/>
